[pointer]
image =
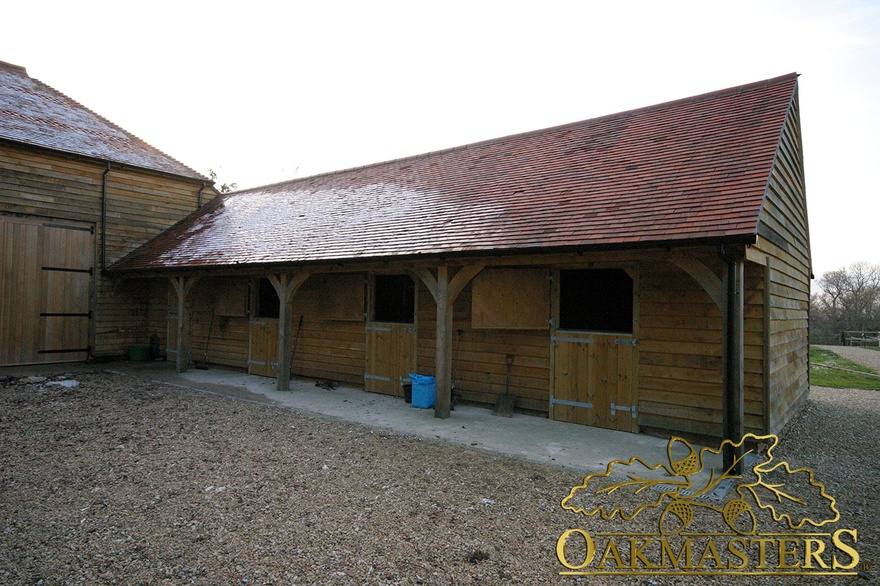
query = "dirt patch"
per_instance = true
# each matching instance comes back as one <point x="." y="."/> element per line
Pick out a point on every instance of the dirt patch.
<point x="120" y="480"/>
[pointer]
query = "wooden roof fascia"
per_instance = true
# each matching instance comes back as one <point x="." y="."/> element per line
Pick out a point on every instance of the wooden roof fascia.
<point x="434" y="258"/>
<point x="416" y="266"/>
<point x="760" y="228"/>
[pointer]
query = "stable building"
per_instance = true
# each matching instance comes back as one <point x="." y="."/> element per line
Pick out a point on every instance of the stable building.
<point x="647" y="270"/>
<point x="77" y="193"/>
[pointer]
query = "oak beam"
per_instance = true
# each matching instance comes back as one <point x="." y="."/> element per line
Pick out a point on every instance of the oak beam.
<point x="183" y="285"/>
<point x="702" y="274"/>
<point x="286" y="285"/>
<point x="443" y="400"/>
<point x="445" y="290"/>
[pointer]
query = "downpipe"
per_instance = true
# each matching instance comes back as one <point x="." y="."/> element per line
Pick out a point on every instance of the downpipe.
<point x="733" y="416"/>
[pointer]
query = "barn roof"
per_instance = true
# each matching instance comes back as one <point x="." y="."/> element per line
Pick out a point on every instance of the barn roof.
<point x="35" y="114"/>
<point x="683" y="172"/>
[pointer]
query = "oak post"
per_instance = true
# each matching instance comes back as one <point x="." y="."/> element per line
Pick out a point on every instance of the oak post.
<point x="443" y="399"/>
<point x="285" y="285"/>
<point x="182" y="286"/>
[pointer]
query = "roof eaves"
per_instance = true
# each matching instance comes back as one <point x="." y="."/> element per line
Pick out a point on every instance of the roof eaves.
<point x="669" y="244"/>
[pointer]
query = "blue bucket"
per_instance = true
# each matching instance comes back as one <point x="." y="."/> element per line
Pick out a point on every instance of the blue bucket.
<point x="424" y="390"/>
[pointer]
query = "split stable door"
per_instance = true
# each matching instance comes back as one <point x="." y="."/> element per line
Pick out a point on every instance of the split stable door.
<point x="595" y="349"/>
<point x="391" y="334"/>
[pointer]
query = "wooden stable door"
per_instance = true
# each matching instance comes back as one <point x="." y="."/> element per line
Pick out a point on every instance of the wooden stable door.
<point x="263" y="353"/>
<point x="593" y="380"/>
<point x="390" y="356"/>
<point x="46" y="270"/>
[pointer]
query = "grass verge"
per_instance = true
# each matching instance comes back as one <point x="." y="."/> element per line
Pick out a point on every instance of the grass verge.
<point x="823" y="376"/>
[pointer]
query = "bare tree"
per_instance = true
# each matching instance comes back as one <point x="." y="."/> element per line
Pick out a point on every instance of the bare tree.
<point x="224" y="187"/>
<point x="849" y="299"/>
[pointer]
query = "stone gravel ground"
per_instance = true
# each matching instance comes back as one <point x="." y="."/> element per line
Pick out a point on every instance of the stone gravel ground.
<point x="865" y="357"/>
<point x="124" y="481"/>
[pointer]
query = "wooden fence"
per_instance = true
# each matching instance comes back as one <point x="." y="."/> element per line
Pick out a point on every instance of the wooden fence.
<point x="853" y="338"/>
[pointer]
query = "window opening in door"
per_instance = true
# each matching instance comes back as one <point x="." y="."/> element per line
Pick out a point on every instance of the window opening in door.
<point x="268" y="304"/>
<point x="598" y="300"/>
<point x="395" y="299"/>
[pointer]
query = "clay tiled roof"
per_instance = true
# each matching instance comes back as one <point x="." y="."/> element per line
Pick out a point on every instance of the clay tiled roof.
<point x="35" y="114"/>
<point x="690" y="171"/>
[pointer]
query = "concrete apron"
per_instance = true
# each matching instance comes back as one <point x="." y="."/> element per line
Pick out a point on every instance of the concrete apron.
<point x="537" y="439"/>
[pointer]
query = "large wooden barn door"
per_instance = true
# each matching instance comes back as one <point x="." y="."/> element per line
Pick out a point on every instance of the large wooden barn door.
<point x="595" y="349"/>
<point x="45" y="290"/>
<point x="593" y="383"/>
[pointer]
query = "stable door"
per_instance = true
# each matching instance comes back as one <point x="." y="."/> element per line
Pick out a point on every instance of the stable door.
<point x="594" y="350"/>
<point x="391" y="334"/>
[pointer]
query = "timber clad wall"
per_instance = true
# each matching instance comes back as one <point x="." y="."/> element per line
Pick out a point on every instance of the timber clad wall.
<point x="140" y="204"/>
<point x="679" y="353"/>
<point x="784" y="238"/>
<point x="218" y="320"/>
<point x="680" y="343"/>
<point x="479" y="356"/>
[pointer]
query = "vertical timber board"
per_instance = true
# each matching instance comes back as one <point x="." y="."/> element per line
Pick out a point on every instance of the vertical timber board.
<point x="390" y="356"/>
<point x="66" y="271"/>
<point x="623" y="420"/>
<point x="379" y="349"/>
<point x="20" y="288"/>
<point x="592" y="371"/>
<point x="171" y="330"/>
<point x="601" y="377"/>
<point x="46" y="285"/>
<point x="263" y="347"/>
<point x="574" y="378"/>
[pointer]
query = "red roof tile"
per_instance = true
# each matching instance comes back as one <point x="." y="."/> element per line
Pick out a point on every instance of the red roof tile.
<point x="689" y="171"/>
<point x="35" y="114"/>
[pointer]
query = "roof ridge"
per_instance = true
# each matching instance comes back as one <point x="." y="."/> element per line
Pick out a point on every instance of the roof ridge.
<point x="14" y="66"/>
<point x="132" y="136"/>
<point x="733" y="90"/>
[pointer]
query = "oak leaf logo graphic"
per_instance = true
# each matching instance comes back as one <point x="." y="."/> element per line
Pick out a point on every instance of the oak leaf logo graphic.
<point x="678" y="485"/>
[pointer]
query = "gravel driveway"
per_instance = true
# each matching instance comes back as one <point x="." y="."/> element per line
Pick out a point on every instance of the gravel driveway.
<point x="123" y="481"/>
<point x="865" y="357"/>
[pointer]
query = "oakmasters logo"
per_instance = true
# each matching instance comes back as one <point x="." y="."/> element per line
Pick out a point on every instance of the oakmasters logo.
<point x="769" y="520"/>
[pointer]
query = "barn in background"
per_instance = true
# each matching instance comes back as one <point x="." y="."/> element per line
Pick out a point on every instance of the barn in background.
<point x="648" y="270"/>
<point x="76" y="194"/>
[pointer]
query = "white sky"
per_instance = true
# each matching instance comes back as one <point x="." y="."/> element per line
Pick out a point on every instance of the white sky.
<point x="267" y="91"/>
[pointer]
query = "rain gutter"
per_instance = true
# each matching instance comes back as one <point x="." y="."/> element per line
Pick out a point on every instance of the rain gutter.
<point x="104" y="218"/>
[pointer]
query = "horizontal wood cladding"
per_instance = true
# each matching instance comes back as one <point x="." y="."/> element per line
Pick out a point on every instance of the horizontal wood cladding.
<point x="140" y="204"/>
<point x="681" y="349"/>
<point x="331" y="342"/>
<point x="785" y="242"/>
<point x="511" y="299"/>
<point x="680" y="355"/>
<point x="479" y="356"/>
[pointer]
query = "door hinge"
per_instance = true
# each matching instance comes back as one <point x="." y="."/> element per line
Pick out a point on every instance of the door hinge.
<point x="631" y="409"/>
<point x="574" y="340"/>
<point x="555" y="401"/>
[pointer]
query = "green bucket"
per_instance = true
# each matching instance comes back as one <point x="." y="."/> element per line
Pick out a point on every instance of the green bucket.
<point x="139" y="353"/>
